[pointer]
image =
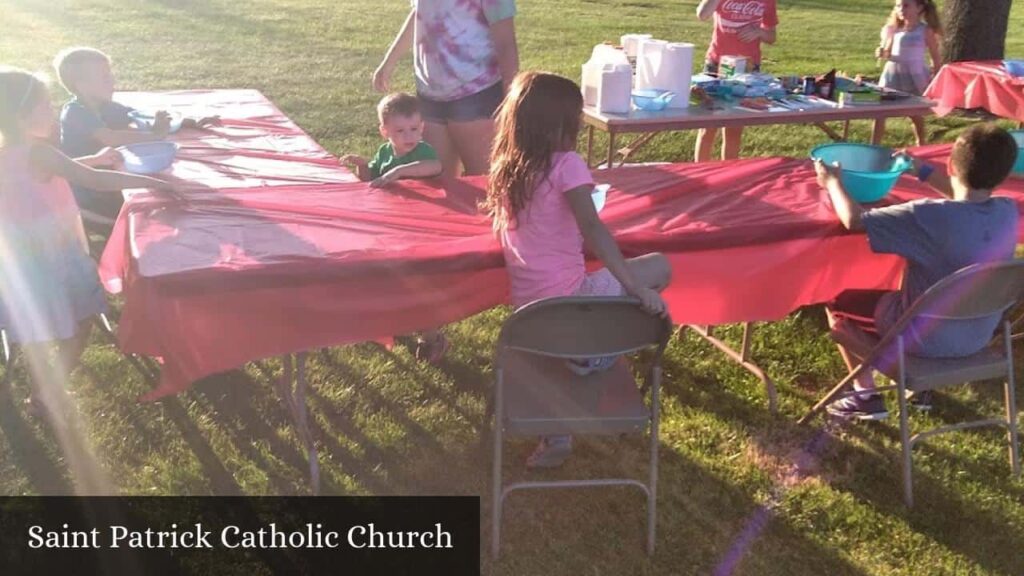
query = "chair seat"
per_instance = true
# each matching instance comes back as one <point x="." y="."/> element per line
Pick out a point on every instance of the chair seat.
<point x="543" y="397"/>
<point x="924" y="373"/>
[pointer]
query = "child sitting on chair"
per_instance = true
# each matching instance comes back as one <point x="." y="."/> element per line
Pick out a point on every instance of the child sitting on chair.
<point x="91" y="123"/>
<point x="405" y="154"/>
<point x="937" y="238"/>
<point x="539" y="197"/>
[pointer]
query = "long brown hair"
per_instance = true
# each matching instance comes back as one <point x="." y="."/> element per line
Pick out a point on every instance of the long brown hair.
<point x="539" y="116"/>
<point x="929" y="15"/>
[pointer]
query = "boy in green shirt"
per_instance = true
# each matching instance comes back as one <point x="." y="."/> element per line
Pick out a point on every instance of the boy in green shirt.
<point x="405" y="154"/>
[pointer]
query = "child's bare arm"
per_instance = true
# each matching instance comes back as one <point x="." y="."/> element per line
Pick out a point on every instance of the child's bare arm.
<point x="600" y="243"/>
<point x="361" y="165"/>
<point x="707" y="8"/>
<point x="419" y="169"/>
<point x="934" y="51"/>
<point x="399" y="47"/>
<point x="503" y="33"/>
<point x="848" y="210"/>
<point x="108" y="157"/>
<point x="53" y="161"/>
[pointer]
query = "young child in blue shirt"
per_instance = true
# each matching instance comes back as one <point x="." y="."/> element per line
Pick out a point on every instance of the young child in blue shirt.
<point x="937" y="238"/>
<point x="92" y="124"/>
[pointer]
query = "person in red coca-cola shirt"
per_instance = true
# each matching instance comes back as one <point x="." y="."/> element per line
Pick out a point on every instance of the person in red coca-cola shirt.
<point x="740" y="28"/>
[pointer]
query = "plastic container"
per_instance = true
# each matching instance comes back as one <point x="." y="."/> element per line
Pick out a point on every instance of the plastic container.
<point x="652" y="100"/>
<point x="1014" y="67"/>
<point x="1018" y="166"/>
<point x="868" y="172"/>
<point x="148" y="157"/>
<point x="613" y="91"/>
<point x="590" y="73"/>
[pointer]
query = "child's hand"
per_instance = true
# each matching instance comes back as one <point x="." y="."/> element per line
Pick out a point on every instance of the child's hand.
<point x="109" y="157"/>
<point x="881" y="53"/>
<point x="202" y="123"/>
<point x="385" y="179"/>
<point x="750" y="32"/>
<point x="651" y="301"/>
<point x="171" y="187"/>
<point x="162" y="123"/>
<point x="382" y="77"/>
<point x="827" y="174"/>
<point x="353" y="160"/>
<point x="915" y="163"/>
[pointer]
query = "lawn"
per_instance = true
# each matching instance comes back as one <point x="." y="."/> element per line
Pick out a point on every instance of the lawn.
<point x="730" y="493"/>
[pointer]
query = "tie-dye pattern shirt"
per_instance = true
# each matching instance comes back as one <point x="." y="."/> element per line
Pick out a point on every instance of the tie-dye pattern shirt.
<point x="453" y="50"/>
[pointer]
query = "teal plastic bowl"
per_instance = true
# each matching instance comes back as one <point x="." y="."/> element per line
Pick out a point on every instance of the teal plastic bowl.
<point x="652" y="100"/>
<point x="1018" y="166"/>
<point x="869" y="172"/>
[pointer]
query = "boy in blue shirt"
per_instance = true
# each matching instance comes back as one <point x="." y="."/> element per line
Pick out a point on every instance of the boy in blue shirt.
<point x="92" y="124"/>
<point x="937" y="238"/>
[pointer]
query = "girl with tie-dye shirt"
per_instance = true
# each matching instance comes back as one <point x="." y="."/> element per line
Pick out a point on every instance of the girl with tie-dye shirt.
<point x="465" y="55"/>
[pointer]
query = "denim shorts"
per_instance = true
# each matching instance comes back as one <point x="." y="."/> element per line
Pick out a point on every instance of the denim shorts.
<point x="711" y="68"/>
<point x="479" y="106"/>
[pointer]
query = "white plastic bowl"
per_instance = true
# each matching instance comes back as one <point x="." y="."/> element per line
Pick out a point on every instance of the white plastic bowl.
<point x="148" y="157"/>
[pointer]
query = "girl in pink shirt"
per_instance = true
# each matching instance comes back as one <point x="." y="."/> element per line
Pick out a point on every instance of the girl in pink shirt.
<point x="539" y="197"/>
<point x="740" y="28"/>
<point x="49" y="287"/>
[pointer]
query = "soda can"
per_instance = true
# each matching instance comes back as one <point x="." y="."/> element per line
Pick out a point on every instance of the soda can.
<point x="808" y="85"/>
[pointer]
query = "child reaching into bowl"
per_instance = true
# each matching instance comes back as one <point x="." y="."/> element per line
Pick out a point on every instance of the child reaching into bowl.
<point x="49" y="287"/>
<point x="539" y="198"/>
<point x="937" y="238"/>
<point x="92" y="123"/>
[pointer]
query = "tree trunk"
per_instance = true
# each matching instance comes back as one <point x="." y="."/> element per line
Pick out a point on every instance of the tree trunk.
<point x="974" y="29"/>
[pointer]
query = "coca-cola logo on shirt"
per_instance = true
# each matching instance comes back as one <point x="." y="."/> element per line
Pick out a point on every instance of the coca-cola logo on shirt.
<point x="744" y="8"/>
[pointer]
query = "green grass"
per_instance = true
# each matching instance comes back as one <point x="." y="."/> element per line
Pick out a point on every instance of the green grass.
<point x="386" y="425"/>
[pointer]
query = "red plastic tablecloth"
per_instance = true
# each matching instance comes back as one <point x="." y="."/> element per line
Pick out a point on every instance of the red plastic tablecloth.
<point x="977" y="85"/>
<point x="271" y="267"/>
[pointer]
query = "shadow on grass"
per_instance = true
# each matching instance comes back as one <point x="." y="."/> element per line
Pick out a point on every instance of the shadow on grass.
<point x="982" y="533"/>
<point x="30" y="454"/>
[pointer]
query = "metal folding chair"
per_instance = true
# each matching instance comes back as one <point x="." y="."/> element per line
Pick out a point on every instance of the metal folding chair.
<point x="972" y="292"/>
<point x="537" y="395"/>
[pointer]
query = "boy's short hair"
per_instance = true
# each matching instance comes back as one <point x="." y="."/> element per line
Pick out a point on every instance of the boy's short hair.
<point x="397" y="104"/>
<point x="68" y="64"/>
<point x="983" y="156"/>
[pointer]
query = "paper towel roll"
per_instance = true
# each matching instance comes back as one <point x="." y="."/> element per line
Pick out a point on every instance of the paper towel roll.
<point x="666" y="66"/>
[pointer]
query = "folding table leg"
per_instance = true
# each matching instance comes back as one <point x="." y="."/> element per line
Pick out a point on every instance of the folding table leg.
<point x="830" y="132"/>
<point x="743" y="359"/>
<point x="611" y="149"/>
<point x="292" y="389"/>
<point x="590" y="145"/>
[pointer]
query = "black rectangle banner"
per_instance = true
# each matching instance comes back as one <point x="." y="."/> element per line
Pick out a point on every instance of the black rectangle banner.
<point x="248" y="536"/>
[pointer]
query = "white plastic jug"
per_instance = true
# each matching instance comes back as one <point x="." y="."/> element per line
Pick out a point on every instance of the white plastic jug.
<point x="603" y="54"/>
<point x="614" y="91"/>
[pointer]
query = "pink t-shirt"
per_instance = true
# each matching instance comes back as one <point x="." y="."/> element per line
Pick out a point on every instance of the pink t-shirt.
<point x="544" y="251"/>
<point x="732" y="15"/>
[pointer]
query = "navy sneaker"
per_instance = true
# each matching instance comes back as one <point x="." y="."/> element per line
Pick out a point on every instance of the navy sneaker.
<point x="921" y="400"/>
<point x="586" y="366"/>
<point x="855" y="407"/>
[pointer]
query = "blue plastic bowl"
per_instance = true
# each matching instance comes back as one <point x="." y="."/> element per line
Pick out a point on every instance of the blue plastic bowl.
<point x="651" y="100"/>
<point x="1014" y="67"/>
<point x="869" y="172"/>
<point x="1018" y="166"/>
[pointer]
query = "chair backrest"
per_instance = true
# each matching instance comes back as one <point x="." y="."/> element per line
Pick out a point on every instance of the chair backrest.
<point x="972" y="292"/>
<point x="584" y="326"/>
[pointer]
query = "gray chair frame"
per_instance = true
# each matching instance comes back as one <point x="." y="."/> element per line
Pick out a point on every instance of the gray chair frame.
<point x="553" y="329"/>
<point x="972" y="292"/>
